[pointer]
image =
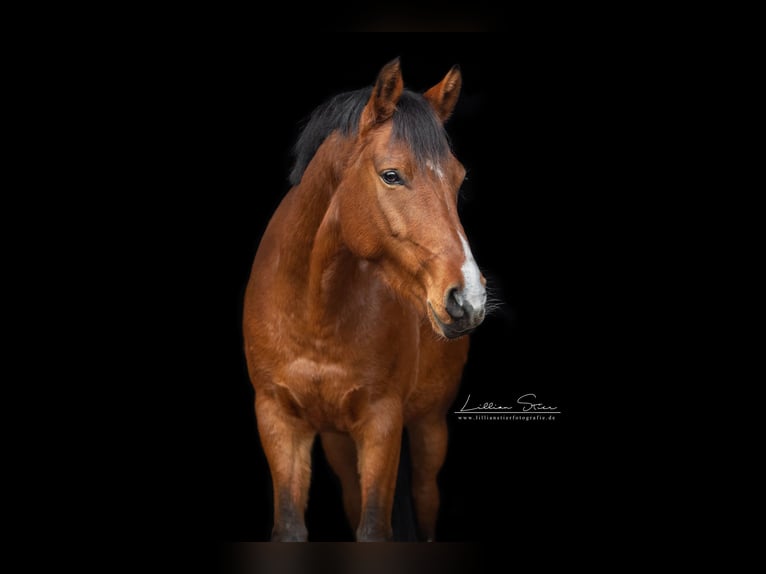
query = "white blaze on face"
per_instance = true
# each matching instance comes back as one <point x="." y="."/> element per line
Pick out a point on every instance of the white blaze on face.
<point x="473" y="291"/>
<point x="435" y="168"/>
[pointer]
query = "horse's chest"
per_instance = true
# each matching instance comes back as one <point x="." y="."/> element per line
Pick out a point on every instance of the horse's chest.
<point x="333" y="395"/>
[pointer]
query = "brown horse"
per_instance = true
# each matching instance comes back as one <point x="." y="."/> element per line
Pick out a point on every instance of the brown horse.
<point x="360" y="296"/>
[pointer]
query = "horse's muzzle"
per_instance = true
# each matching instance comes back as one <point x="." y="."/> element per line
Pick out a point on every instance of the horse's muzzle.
<point x="466" y="315"/>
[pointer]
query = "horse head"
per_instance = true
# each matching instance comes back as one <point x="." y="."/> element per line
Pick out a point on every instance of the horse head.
<point x="397" y="201"/>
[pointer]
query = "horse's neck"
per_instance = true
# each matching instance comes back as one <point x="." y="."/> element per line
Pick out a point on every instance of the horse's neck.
<point x="319" y="247"/>
<point x="305" y="207"/>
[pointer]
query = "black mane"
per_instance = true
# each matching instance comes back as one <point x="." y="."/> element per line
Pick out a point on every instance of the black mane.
<point x="414" y="122"/>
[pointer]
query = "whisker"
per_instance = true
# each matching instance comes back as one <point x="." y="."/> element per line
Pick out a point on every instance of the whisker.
<point x="494" y="304"/>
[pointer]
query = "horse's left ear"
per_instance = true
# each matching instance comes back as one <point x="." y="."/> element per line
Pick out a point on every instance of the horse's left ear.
<point x="443" y="96"/>
<point x="384" y="97"/>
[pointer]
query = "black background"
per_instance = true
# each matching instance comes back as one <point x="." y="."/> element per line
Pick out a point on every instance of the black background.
<point x="534" y="130"/>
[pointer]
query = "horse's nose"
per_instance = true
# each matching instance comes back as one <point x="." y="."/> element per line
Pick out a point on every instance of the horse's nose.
<point x="466" y="309"/>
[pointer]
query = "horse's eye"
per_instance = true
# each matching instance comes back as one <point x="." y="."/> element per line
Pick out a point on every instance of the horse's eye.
<point x="391" y="177"/>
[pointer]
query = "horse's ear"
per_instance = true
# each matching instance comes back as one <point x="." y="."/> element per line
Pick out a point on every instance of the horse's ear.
<point x="443" y="96"/>
<point x="385" y="94"/>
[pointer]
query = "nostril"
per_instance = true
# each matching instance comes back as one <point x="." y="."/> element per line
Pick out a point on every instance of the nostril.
<point x="455" y="304"/>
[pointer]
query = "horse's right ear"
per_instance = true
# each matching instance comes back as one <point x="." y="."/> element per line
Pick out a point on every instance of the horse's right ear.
<point x="443" y="96"/>
<point x="385" y="95"/>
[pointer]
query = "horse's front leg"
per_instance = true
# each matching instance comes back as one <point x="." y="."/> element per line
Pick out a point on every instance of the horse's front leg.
<point x="287" y="442"/>
<point x="428" y="448"/>
<point x="379" y="440"/>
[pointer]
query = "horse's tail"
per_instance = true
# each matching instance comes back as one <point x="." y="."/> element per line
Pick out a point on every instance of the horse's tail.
<point x="403" y="515"/>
